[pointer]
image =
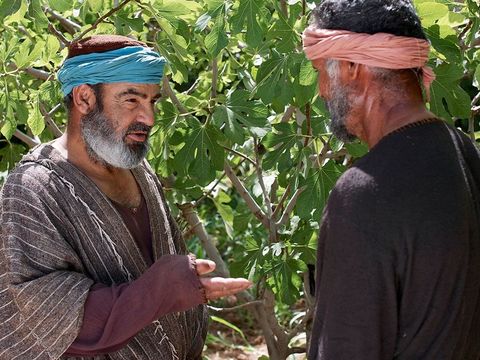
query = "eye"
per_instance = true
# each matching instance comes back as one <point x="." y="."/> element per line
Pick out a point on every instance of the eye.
<point x="132" y="100"/>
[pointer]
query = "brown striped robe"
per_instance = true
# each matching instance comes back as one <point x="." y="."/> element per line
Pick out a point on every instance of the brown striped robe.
<point x="59" y="235"/>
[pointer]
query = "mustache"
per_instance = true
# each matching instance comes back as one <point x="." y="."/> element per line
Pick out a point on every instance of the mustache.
<point x="138" y="127"/>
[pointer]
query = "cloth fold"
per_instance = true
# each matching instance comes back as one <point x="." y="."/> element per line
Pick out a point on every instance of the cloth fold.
<point x="378" y="50"/>
<point x="135" y="64"/>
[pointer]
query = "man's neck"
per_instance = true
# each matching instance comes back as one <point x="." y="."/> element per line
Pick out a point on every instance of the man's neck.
<point x="389" y="119"/>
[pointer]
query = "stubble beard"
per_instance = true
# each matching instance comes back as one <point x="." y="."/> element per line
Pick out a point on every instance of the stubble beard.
<point x="107" y="146"/>
<point x="339" y="108"/>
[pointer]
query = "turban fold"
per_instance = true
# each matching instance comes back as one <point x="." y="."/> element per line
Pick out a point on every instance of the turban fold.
<point x="133" y="63"/>
<point x="379" y="50"/>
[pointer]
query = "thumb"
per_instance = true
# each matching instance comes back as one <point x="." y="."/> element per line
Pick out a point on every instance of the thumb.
<point x="205" y="266"/>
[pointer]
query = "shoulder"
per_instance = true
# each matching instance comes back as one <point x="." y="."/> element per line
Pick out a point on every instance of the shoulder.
<point x="31" y="177"/>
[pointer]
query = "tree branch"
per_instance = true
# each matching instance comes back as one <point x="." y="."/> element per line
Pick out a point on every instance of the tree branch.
<point x="39" y="74"/>
<point x="169" y="92"/>
<point x="301" y="325"/>
<point x="291" y="204"/>
<point x="196" y="224"/>
<point x="31" y="142"/>
<point x="240" y="154"/>
<point x="70" y="26"/>
<point x="266" y="197"/>
<point x="280" y="203"/>
<point x="58" y="35"/>
<point x="49" y="121"/>
<point x="288" y="114"/>
<point x="100" y="19"/>
<point x="251" y="203"/>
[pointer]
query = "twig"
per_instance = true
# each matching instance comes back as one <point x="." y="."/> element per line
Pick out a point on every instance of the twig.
<point x="196" y="224"/>
<point x="266" y="197"/>
<point x="192" y="88"/>
<point x="58" y="35"/>
<point x="288" y="113"/>
<point x="49" y="121"/>
<point x="25" y="31"/>
<point x="213" y="93"/>
<point x="309" y="124"/>
<point x="283" y="4"/>
<point x="169" y="92"/>
<point x="31" y="142"/>
<point x="291" y="204"/>
<point x="195" y="204"/>
<point x="234" y="308"/>
<point x="70" y="26"/>
<point x="243" y="156"/>
<point x="251" y="203"/>
<point x="100" y="19"/>
<point x="280" y="203"/>
<point x="301" y="325"/>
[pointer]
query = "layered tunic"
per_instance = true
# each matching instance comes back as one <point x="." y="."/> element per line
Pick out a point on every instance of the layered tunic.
<point x="59" y="236"/>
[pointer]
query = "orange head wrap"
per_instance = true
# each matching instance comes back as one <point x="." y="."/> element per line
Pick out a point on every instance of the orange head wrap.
<point x="380" y="50"/>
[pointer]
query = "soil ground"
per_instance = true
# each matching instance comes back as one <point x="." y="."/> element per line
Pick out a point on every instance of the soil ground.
<point x="224" y="343"/>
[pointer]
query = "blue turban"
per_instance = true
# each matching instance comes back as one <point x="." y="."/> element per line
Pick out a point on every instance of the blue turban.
<point x="134" y="64"/>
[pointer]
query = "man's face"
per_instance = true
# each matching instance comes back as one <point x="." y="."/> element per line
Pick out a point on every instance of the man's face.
<point x="116" y="130"/>
<point x="336" y="97"/>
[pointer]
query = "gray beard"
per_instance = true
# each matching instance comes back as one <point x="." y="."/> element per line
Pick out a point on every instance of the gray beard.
<point x="107" y="147"/>
<point x="339" y="108"/>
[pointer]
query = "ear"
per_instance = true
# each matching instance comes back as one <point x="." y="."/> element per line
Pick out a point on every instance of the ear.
<point x="354" y="70"/>
<point x="84" y="99"/>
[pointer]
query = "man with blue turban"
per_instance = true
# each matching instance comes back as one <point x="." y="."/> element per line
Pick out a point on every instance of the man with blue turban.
<point x="92" y="265"/>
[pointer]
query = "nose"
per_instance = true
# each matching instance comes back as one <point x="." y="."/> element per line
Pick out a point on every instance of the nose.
<point x="147" y="115"/>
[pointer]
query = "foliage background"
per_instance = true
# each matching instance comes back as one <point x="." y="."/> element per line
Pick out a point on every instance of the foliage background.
<point x="241" y="138"/>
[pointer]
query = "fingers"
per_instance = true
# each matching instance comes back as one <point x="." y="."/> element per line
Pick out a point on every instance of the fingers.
<point x="205" y="266"/>
<point x="217" y="287"/>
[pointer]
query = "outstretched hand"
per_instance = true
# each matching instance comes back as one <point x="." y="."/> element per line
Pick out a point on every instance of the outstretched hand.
<point x="217" y="287"/>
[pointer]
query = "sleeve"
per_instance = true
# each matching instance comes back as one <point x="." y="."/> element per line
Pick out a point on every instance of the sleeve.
<point x="113" y="315"/>
<point x="42" y="288"/>
<point x="356" y="298"/>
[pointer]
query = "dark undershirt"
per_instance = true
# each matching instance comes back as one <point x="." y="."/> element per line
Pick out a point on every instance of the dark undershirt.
<point x="111" y="317"/>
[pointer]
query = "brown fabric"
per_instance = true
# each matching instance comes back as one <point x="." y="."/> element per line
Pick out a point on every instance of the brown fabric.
<point x="114" y="314"/>
<point x="138" y="224"/>
<point x="59" y="234"/>
<point x="101" y="43"/>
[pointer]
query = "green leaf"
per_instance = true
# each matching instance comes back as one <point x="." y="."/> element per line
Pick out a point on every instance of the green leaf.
<point x="17" y="16"/>
<point x="476" y="77"/>
<point x="229" y="325"/>
<point x="285" y="280"/>
<point x="10" y="155"/>
<point x="172" y="10"/>
<point x="10" y="125"/>
<point x="61" y="5"/>
<point x="217" y="39"/>
<point x="9" y="7"/>
<point x="96" y="5"/>
<point x="35" y="121"/>
<point x="273" y="82"/>
<point x="430" y="12"/>
<point x="319" y="183"/>
<point x="225" y="211"/>
<point x="284" y="35"/>
<point x="237" y="111"/>
<point x="40" y="20"/>
<point x="307" y="75"/>
<point x="201" y="155"/>
<point x="279" y="142"/>
<point x="357" y="149"/>
<point x="249" y="11"/>
<point x="446" y="89"/>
